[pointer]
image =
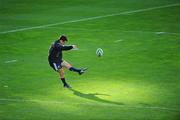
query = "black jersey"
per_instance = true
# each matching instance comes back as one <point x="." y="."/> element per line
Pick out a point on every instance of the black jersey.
<point x="55" y="51"/>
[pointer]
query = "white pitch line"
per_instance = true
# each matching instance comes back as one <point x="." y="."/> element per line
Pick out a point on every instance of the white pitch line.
<point x="159" y="33"/>
<point x="10" y="61"/>
<point x="91" y="104"/>
<point x="5" y="86"/>
<point x="129" y="31"/>
<point x="116" y="41"/>
<point x="75" y="49"/>
<point x="90" y="18"/>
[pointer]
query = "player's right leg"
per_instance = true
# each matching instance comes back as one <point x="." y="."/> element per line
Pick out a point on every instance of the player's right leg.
<point x="71" y="68"/>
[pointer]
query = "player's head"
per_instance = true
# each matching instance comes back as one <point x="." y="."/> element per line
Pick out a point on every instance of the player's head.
<point x="63" y="39"/>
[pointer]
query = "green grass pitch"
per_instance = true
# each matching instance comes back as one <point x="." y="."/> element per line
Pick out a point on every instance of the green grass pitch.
<point x="136" y="79"/>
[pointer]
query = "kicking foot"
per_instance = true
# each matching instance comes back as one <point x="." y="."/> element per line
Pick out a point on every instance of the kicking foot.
<point x="82" y="71"/>
<point x="67" y="86"/>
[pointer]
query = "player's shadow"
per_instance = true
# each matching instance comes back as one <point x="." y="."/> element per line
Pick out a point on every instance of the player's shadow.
<point x="94" y="97"/>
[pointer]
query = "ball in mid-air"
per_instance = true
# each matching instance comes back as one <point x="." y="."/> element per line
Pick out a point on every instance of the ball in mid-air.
<point x="99" y="52"/>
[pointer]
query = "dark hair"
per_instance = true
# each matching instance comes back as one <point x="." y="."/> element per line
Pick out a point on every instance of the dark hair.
<point x="63" y="38"/>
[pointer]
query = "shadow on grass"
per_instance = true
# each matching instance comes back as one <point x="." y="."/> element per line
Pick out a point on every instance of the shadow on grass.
<point x="93" y="96"/>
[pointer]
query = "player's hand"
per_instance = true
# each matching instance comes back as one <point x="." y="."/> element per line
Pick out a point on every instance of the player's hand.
<point x="74" y="46"/>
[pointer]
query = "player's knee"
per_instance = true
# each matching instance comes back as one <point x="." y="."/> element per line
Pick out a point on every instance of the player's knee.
<point x="66" y="64"/>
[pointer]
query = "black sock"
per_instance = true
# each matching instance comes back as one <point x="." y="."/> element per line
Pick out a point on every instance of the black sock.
<point x="74" y="69"/>
<point x="64" y="81"/>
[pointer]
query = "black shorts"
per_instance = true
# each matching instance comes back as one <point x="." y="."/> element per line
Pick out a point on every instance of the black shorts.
<point x="56" y="65"/>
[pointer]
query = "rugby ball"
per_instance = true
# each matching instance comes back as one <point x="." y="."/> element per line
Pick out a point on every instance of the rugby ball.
<point x="99" y="52"/>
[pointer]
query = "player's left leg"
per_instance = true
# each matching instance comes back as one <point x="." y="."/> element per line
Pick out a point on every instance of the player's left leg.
<point x="62" y="77"/>
<point x="71" y="68"/>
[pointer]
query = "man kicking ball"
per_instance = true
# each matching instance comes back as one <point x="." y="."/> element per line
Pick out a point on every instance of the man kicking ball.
<point x="56" y="61"/>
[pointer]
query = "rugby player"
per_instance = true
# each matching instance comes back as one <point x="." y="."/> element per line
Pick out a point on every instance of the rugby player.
<point x="57" y="62"/>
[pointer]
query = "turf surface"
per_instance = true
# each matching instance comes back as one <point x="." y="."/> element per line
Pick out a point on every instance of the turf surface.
<point x="136" y="79"/>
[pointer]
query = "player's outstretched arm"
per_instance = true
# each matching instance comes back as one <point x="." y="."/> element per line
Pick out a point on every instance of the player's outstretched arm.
<point x="65" y="47"/>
